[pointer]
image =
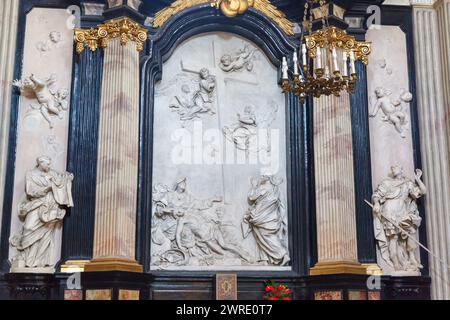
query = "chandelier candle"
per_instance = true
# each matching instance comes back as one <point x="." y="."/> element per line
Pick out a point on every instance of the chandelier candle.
<point x="285" y="69"/>
<point x="335" y="62"/>
<point x="295" y="59"/>
<point x="304" y="52"/>
<point x="345" y="69"/>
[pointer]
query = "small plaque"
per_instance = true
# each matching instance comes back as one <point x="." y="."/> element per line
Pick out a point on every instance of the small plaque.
<point x="128" y="294"/>
<point x="357" y="295"/>
<point x="374" y="295"/>
<point x="328" y="295"/>
<point x="104" y="294"/>
<point x="226" y="286"/>
<point x="73" y="295"/>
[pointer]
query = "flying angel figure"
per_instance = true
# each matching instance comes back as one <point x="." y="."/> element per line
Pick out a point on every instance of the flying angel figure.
<point x="392" y="109"/>
<point x="50" y="102"/>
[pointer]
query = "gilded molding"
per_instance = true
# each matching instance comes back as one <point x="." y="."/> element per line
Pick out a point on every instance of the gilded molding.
<point x="86" y="38"/>
<point x="338" y="38"/>
<point x="123" y="28"/>
<point x="229" y="8"/>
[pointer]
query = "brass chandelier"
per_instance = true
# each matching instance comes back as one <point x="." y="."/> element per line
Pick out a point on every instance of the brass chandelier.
<point x="328" y="58"/>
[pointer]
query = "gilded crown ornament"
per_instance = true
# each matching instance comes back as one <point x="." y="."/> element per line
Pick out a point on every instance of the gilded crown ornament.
<point x="124" y="28"/>
<point x="328" y="59"/>
<point x="230" y="8"/>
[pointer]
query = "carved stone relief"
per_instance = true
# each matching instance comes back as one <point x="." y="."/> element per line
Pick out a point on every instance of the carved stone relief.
<point x="267" y="220"/>
<point x="42" y="129"/>
<point x="397" y="220"/>
<point x="51" y="103"/>
<point x="52" y="42"/>
<point x="219" y="134"/>
<point x="196" y="97"/>
<point x="239" y="61"/>
<point x="391" y="140"/>
<point x="48" y="192"/>
<point x="244" y="132"/>
<point x="392" y="109"/>
<point x="187" y="231"/>
<point x="190" y="231"/>
<point x="52" y="146"/>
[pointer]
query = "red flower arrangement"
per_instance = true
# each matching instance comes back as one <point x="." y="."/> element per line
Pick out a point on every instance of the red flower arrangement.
<point x="277" y="292"/>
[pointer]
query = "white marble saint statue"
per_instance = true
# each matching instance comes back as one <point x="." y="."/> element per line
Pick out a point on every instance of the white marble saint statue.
<point x="48" y="193"/>
<point x="51" y="102"/>
<point x="397" y="220"/>
<point x="392" y="110"/>
<point x="266" y="220"/>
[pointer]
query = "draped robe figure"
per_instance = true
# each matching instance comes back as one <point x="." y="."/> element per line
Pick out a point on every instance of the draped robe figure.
<point x="266" y="221"/>
<point x="397" y="219"/>
<point x="47" y="192"/>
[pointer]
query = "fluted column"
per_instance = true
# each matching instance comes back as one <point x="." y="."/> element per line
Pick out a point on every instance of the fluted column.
<point x="431" y="32"/>
<point x="335" y="191"/>
<point x="8" y="33"/>
<point x="443" y="18"/>
<point x="118" y="147"/>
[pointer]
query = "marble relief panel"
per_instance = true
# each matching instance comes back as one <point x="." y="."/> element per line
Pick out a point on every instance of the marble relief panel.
<point x="389" y="110"/>
<point x="219" y="175"/>
<point x="43" y="115"/>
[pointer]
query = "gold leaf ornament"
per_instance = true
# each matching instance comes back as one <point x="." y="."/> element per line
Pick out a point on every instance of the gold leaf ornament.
<point x="230" y="8"/>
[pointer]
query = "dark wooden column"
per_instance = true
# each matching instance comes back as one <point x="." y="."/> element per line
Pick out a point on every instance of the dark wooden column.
<point x="77" y="243"/>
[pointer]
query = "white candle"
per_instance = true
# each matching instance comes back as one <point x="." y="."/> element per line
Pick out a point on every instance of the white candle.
<point x="318" y="58"/>
<point x="285" y="69"/>
<point x="352" y="63"/>
<point x="327" y="72"/>
<point x="345" y="73"/>
<point x="335" y="61"/>
<point x="304" y="52"/>
<point x="295" y="59"/>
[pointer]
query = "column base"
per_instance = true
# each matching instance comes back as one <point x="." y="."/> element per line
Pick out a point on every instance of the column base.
<point x="73" y="266"/>
<point x="113" y="264"/>
<point x="373" y="269"/>
<point x="337" y="267"/>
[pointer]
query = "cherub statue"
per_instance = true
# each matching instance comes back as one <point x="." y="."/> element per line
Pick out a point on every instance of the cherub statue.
<point x="392" y="108"/>
<point x="50" y="102"/>
<point x="242" y="59"/>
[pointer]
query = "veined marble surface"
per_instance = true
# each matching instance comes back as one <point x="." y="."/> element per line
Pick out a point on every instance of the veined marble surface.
<point x="388" y="69"/>
<point x="48" y="52"/>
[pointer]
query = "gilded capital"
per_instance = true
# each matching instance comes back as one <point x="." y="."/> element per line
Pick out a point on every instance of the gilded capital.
<point x="124" y="28"/>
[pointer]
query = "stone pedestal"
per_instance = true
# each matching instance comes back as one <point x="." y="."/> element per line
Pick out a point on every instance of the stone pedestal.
<point x="335" y="192"/>
<point x="431" y="33"/>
